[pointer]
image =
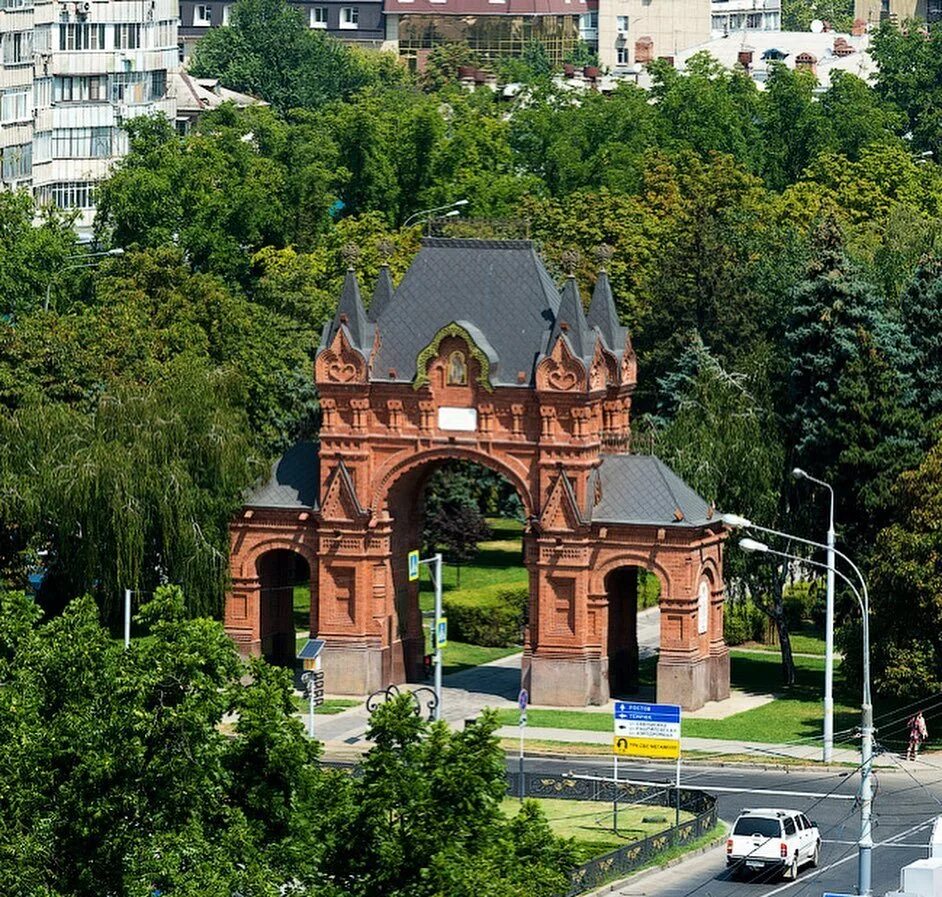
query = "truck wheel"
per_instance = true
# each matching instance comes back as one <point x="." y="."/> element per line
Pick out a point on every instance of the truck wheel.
<point x="793" y="869"/>
<point x="816" y="856"/>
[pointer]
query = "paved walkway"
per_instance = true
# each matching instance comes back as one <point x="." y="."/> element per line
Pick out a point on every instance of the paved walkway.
<point x="497" y="684"/>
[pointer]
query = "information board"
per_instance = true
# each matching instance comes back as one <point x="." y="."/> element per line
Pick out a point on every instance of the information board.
<point x="646" y="730"/>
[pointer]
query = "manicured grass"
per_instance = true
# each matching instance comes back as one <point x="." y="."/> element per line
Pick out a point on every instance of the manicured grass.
<point x="328" y="708"/>
<point x="804" y="641"/>
<point x="458" y="656"/>
<point x="498" y="562"/>
<point x="795" y="715"/>
<point x="590" y="822"/>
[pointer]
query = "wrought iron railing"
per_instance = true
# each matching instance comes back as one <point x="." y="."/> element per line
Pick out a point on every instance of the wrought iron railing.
<point x="625" y="860"/>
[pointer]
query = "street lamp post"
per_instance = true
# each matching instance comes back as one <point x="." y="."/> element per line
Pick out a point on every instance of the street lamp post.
<point x="89" y="260"/>
<point x="455" y="206"/>
<point x="865" y="842"/>
<point x="800" y="474"/>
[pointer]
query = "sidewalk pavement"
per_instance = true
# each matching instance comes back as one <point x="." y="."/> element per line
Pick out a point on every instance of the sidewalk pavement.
<point x="717" y="746"/>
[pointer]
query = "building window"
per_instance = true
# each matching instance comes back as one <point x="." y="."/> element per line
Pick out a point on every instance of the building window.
<point x="15" y="106"/>
<point x="42" y="146"/>
<point x="621" y="24"/>
<point x="318" y="17"/>
<point x="457" y="370"/>
<point x="202" y="16"/>
<point x="80" y="89"/>
<point x="17" y="162"/>
<point x="350" y="17"/>
<point x="227" y="14"/>
<point x="82" y="143"/>
<point x="754" y="20"/>
<point x="17" y="47"/>
<point x="75" y="195"/>
<point x="127" y="36"/>
<point x="82" y="37"/>
<point x="621" y="55"/>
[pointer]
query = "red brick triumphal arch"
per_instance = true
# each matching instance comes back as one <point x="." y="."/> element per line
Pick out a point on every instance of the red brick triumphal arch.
<point x="478" y="355"/>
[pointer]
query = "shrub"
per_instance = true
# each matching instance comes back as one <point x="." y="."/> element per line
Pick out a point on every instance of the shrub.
<point x="804" y="603"/>
<point x="491" y="615"/>
<point x="743" y="622"/>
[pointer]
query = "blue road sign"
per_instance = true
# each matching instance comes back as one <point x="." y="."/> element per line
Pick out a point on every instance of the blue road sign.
<point x="524" y="699"/>
<point x="653" y="713"/>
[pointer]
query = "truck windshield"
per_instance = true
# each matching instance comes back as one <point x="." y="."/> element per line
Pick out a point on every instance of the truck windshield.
<point x="757" y="825"/>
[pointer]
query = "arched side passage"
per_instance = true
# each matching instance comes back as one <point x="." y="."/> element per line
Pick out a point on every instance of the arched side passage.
<point x="259" y="609"/>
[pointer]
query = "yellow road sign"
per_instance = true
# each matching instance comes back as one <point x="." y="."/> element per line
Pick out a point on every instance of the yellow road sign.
<point x="413" y="566"/>
<point x="655" y="748"/>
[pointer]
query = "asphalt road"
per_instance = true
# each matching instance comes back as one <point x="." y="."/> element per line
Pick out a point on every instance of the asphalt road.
<point x="904" y="809"/>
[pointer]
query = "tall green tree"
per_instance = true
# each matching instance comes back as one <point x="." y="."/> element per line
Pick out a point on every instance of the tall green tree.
<point x="852" y="420"/>
<point x="906" y="581"/>
<point x="921" y="313"/>
<point x="268" y="51"/>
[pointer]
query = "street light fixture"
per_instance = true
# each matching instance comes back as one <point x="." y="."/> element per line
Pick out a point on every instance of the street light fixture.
<point x="89" y="260"/>
<point x="800" y="474"/>
<point x="457" y="204"/>
<point x="865" y="842"/>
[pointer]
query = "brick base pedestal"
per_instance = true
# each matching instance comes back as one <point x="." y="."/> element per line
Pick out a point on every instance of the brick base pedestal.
<point x="353" y="669"/>
<point x="691" y="685"/>
<point x="565" y="681"/>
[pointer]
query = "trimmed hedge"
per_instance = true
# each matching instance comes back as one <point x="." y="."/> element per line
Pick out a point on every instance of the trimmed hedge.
<point x="492" y="616"/>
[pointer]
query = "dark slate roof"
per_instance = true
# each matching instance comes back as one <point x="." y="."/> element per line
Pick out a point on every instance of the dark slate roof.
<point x="293" y="483"/>
<point x="571" y="324"/>
<point x="352" y="315"/>
<point x="603" y="316"/>
<point x="382" y="293"/>
<point x="498" y="286"/>
<point x="643" y="489"/>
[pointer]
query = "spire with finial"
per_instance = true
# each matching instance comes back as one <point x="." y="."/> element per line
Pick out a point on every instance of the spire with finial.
<point x="383" y="293"/>
<point x="602" y="314"/>
<point x="570" y="320"/>
<point x="350" y="311"/>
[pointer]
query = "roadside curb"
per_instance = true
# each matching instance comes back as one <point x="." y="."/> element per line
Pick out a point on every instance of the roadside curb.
<point x="651" y="870"/>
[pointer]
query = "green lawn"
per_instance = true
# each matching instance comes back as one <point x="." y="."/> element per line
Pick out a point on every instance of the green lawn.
<point x="795" y="715"/>
<point x="590" y="822"/>
<point x="498" y="562"/>
<point x="328" y="708"/>
<point x="458" y="656"/>
<point x="804" y="641"/>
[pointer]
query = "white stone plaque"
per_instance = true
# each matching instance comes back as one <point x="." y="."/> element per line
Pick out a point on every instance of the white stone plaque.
<point x="463" y="419"/>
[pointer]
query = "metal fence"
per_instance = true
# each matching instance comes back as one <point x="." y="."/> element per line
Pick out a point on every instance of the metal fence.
<point x="634" y="855"/>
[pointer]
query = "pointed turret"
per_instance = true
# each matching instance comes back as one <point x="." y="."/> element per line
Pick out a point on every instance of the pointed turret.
<point x="351" y="314"/>
<point x="603" y="317"/>
<point x="571" y="323"/>
<point x="382" y="294"/>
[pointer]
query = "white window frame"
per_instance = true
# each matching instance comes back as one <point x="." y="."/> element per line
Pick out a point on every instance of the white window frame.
<point x="202" y="15"/>
<point x="227" y="14"/>
<point x="318" y="17"/>
<point x="349" y="18"/>
<point x="621" y="24"/>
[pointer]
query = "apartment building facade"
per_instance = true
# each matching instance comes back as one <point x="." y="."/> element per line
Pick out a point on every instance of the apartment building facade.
<point x="352" y="21"/>
<point x="732" y="16"/>
<point x="872" y="12"/>
<point x="71" y="74"/>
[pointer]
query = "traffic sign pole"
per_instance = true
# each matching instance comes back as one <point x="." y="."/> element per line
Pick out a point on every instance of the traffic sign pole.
<point x="677" y="811"/>
<point x="522" y="704"/>
<point x="615" y="793"/>
<point x="437" y="566"/>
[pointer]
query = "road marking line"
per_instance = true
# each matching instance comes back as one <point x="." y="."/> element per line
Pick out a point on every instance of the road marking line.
<point x="889" y="842"/>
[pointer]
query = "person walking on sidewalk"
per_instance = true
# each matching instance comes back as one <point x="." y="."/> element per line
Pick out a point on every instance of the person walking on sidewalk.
<point x="918" y="733"/>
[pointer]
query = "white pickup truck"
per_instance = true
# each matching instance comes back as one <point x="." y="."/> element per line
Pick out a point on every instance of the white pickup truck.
<point x="778" y="841"/>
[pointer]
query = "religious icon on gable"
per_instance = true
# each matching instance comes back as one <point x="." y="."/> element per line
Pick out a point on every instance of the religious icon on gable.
<point x="457" y="370"/>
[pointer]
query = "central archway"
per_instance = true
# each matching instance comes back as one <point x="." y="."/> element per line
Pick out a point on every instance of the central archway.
<point x="424" y="486"/>
<point x="280" y="571"/>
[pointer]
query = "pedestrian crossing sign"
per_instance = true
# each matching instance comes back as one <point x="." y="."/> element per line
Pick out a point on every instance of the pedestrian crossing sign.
<point x="413" y="566"/>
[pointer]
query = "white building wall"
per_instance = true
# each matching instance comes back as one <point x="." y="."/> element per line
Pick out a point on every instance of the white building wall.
<point x="92" y="65"/>
<point x="670" y="25"/>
